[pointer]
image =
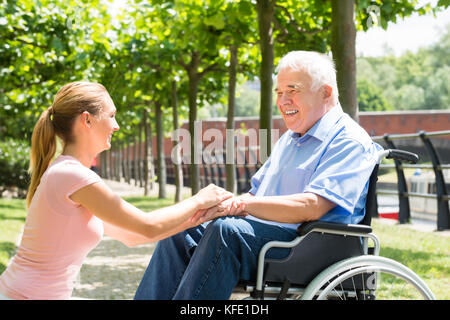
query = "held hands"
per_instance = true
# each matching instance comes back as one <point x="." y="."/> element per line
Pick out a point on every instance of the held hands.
<point x="215" y="202"/>
<point x="211" y="196"/>
<point x="230" y="207"/>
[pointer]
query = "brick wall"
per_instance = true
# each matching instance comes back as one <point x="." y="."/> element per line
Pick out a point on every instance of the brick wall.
<point x="400" y="122"/>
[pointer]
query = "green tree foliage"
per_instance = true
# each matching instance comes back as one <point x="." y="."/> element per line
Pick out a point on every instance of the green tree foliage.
<point x="411" y="81"/>
<point x="370" y="97"/>
<point x="380" y="12"/>
<point x="14" y="155"/>
<point x="43" y="45"/>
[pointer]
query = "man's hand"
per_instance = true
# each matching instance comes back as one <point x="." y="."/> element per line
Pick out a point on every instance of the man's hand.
<point x="230" y="207"/>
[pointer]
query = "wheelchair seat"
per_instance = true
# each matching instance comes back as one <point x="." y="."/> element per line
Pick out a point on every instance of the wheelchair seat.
<point x="306" y="261"/>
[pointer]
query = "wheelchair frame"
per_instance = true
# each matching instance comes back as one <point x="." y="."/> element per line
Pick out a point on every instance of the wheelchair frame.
<point x="344" y="269"/>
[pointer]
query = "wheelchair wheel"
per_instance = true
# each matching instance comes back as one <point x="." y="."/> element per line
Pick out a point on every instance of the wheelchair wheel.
<point x="367" y="277"/>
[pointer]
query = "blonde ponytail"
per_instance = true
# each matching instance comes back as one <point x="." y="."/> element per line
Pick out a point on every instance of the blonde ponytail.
<point x="43" y="148"/>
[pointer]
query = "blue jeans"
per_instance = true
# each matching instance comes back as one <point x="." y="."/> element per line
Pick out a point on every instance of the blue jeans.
<point x="206" y="262"/>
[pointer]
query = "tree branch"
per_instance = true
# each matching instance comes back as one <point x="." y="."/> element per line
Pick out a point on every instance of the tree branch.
<point x="211" y="67"/>
<point x="31" y="44"/>
<point x="182" y="63"/>
<point x="154" y="66"/>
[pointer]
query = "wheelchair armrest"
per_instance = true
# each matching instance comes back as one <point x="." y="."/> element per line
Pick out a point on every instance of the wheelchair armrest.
<point x="307" y="227"/>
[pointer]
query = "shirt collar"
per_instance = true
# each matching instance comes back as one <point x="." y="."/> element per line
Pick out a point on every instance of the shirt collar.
<point x="323" y="126"/>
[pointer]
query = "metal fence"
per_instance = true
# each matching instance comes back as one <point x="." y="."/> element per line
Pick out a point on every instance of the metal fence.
<point x="439" y="192"/>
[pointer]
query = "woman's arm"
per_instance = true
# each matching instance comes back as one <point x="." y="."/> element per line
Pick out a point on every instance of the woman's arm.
<point x="132" y="239"/>
<point x="128" y="238"/>
<point x="103" y="203"/>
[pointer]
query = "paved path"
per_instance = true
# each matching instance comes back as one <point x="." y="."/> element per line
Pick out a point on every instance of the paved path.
<point x="125" y="189"/>
<point x="112" y="271"/>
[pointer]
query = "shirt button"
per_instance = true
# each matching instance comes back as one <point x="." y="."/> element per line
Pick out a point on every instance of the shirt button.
<point x="298" y="144"/>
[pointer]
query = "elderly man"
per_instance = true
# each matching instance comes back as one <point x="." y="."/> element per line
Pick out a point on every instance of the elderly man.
<point x="318" y="169"/>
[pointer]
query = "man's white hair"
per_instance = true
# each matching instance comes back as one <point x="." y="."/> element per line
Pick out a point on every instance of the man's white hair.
<point x="318" y="66"/>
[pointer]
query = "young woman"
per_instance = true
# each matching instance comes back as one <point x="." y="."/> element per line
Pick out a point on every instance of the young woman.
<point x="70" y="207"/>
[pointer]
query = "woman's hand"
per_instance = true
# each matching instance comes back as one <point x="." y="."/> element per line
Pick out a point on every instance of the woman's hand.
<point x="210" y="196"/>
<point x="230" y="207"/>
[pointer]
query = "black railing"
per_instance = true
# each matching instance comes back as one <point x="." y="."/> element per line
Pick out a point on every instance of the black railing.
<point x="440" y="193"/>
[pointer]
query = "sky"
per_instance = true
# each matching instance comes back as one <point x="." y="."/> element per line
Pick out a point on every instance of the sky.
<point x="407" y="34"/>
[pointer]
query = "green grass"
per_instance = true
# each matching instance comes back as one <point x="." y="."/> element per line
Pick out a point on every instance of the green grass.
<point x="148" y="204"/>
<point x="426" y="253"/>
<point x="12" y="219"/>
<point x="391" y="175"/>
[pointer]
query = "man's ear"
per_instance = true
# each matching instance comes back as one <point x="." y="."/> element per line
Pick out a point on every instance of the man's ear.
<point x="326" y="91"/>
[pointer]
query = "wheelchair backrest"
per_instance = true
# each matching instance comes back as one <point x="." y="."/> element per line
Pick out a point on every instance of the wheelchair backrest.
<point x="371" y="199"/>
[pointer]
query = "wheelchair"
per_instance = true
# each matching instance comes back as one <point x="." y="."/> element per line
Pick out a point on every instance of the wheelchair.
<point x="334" y="261"/>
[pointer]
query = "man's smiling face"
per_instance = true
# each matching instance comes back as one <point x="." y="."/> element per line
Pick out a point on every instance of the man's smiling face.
<point x="298" y="104"/>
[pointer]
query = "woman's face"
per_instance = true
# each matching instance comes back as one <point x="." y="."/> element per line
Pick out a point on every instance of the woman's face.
<point x="105" y="124"/>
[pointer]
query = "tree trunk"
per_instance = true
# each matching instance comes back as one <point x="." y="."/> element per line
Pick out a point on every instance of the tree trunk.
<point x="118" y="162"/>
<point x="123" y="169"/>
<point x="151" y="161"/>
<point x="230" y="167"/>
<point x="194" y="168"/>
<point x="128" y="161"/>
<point x="147" y="153"/>
<point x="178" y="167"/>
<point x="124" y="160"/>
<point x="161" y="169"/>
<point x="343" y="38"/>
<point x="265" y="9"/>
<point x="135" y="160"/>
<point x="140" y="154"/>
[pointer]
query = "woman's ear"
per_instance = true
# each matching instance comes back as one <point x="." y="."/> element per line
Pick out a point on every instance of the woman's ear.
<point x="86" y="118"/>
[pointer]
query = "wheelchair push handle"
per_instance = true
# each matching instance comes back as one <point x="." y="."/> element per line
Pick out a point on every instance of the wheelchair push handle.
<point x="402" y="155"/>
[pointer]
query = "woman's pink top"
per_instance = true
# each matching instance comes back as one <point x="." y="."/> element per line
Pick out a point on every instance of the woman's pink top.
<point x="57" y="236"/>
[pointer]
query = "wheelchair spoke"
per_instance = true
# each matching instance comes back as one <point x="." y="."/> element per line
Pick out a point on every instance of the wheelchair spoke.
<point x="343" y="292"/>
<point x="338" y="294"/>
<point x="354" y="288"/>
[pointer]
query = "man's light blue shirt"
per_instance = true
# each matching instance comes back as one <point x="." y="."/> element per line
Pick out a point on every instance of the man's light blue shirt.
<point x="334" y="159"/>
